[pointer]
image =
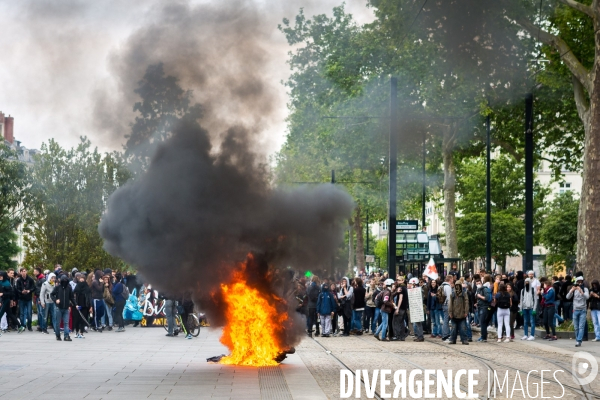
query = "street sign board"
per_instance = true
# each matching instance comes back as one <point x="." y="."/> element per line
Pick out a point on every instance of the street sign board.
<point x="370" y="259"/>
<point x="407" y="225"/>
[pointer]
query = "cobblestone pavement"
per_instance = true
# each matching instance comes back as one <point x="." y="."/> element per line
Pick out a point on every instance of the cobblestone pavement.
<point x="515" y="358"/>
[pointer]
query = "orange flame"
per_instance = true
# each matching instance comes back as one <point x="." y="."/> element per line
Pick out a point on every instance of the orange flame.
<point x="253" y="324"/>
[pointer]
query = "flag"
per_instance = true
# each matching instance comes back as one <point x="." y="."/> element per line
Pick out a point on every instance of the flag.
<point x="431" y="270"/>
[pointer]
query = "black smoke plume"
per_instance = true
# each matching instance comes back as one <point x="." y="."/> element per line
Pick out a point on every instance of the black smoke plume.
<point x="198" y="211"/>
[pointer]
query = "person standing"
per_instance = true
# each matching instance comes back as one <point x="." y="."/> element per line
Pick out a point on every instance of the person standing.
<point x="6" y="297"/>
<point x="400" y="298"/>
<point x="97" y="300"/>
<point x="458" y="308"/>
<point x="413" y="283"/>
<point x="595" y="308"/>
<point x="170" y="314"/>
<point x="312" y="293"/>
<point x="326" y="306"/>
<point x="119" y="297"/>
<point x="62" y="294"/>
<point x="445" y="299"/>
<point x="548" y="298"/>
<point x="503" y="302"/>
<point x="40" y="278"/>
<point x="528" y="307"/>
<point x="483" y="295"/>
<point x="358" y="306"/>
<point x="370" y="308"/>
<point x="345" y="297"/>
<point x="46" y="302"/>
<point x="387" y="307"/>
<point x="25" y="290"/>
<point x="514" y="308"/>
<point x="435" y="310"/>
<point x="83" y="305"/>
<point x="579" y="295"/>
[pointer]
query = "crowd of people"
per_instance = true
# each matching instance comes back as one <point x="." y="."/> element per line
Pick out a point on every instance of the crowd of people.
<point x="379" y="306"/>
<point x="76" y="301"/>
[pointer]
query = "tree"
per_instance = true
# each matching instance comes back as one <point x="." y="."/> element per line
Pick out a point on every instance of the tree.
<point x="163" y="104"/>
<point x="15" y="197"/>
<point x="559" y="231"/>
<point x="572" y="42"/>
<point x="70" y="188"/>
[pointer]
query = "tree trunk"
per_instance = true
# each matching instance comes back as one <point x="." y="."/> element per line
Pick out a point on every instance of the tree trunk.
<point x="360" y="242"/>
<point x="588" y="232"/>
<point x="351" y="249"/>
<point x="450" y="191"/>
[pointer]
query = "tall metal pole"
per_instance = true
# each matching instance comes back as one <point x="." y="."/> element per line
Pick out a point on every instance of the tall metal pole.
<point x="424" y="178"/>
<point x="367" y="232"/>
<point x="488" y="200"/>
<point x="393" y="177"/>
<point x="528" y="181"/>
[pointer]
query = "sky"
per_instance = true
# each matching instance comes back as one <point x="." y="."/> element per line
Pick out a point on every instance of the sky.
<point x="69" y="67"/>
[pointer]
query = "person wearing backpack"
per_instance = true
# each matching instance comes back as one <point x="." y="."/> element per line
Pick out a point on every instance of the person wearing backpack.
<point x="312" y="292"/>
<point x="444" y="293"/>
<point x="483" y="295"/>
<point x="326" y="307"/>
<point x="387" y="307"/>
<point x="458" y="307"/>
<point x="503" y="303"/>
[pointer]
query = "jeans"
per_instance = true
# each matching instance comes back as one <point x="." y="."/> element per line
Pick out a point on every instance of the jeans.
<point x="446" y="326"/>
<point x="503" y="316"/>
<point x="418" y="330"/>
<point x="376" y="319"/>
<point x="468" y="324"/>
<point x="98" y="305"/>
<point x="596" y="322"/>
<point x="108" y="314"/>
<point x="61" y="314"/>
<point x="356" y="320"/>
<point x="579" y="319"/>
<point x="170" y="314"/>
<point x="41" y="317"/>
<point x="383" y="326"/>
<point x="460" y="326"/>
<point x="483" y="320"/>
<point x="49" y="314"/>
<point x="25" y="312"/>
<point x="436" y="322"/>
<point x="549" y="319"/>
<point x="528" y="320"/>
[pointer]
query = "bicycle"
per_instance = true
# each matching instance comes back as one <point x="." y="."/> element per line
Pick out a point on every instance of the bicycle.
<point x="193" y="323"/>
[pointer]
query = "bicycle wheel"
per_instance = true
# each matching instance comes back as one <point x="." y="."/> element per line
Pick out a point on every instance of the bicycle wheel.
<point x="193" y="325"/>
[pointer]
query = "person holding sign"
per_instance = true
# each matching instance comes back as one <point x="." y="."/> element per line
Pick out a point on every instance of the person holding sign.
<point x="415" y="305"/>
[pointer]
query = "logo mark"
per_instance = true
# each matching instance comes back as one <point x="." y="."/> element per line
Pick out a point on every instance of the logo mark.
<point x="584" y="368"/>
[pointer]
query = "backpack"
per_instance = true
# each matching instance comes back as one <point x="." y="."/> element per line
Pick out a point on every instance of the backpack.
<point x="503" y="301"/>
<point x="441" y="296"/>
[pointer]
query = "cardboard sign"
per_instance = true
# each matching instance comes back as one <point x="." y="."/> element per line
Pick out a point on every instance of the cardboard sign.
<point x="415" y="304"/>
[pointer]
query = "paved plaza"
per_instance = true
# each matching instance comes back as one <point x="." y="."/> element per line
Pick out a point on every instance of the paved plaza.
<point x="142" y="363"/>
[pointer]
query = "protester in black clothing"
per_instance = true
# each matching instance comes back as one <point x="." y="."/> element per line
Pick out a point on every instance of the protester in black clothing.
<point x="312" y="292"/>
<point x="6" y="297"/>
<point x="62" y="295"/>
<point x="83" y="305"/>
<point x="25" y="288"/>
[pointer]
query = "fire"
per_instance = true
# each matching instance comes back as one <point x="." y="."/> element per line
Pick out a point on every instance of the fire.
<point x="253" y="325"/>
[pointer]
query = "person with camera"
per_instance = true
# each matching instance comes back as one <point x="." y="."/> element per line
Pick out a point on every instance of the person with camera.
<point x="580" y="295"/>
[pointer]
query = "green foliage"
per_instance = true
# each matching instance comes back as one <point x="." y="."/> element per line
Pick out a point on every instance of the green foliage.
<point x="559" y="232"/>
<point x="381" y="253"/>
<point x="71" y="188"/>
<point x="508" y="207"/>
<point x="8" y="248"/>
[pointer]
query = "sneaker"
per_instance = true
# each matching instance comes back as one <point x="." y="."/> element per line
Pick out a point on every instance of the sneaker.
<point x="525" y="337"/>
<point x="499" y="340"/>
<point x="433" y="336"/>
<point x="169" y="335"/>
<point x="553" y="338"/>
<point x="110" y="328"/>
<point x="418" y="339"/>
<point x="58" y="338"/>
<point x="507" y="340"/>
<point x="595" y="340"/>
<point x="29" y="329"/>
<point x="547" y="337"/>
<point x="480" y="340"/>
<point x="68" y="339"/>
<point x="45" y="331"/>
<point x="448" y="341"/>
<point x="578" y="344"/>
<point x="531" y="338"/>
<point x="21" y="329"/>
<point x="188" y="336"/>
<point x="78" y="336"/>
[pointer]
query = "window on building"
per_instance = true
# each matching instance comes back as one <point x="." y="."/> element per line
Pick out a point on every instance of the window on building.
<point x="564" y="187"/>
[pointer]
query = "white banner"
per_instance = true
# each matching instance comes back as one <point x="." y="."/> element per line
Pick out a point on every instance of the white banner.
<point x="415" y="304"/>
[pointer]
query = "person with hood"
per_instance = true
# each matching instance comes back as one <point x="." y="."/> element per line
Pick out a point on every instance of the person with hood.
<point x="46" y="302"/>
<point x="345" y="297"/>
<point x="579" y="295"/>
<point x="358" y="306"/>
<point x="312" y="292"/>
<point x="326" y="306"/>
<point x="118" y="293"/>
<point x="64" y="299"/>
<point x="483" y="295"/>
<point x="83" y="304"/>
<point x="458" y="309"/>
<point x="387" y="307"/>
<point x="528" y="308"/>
<point x="25" y="286"/>
<point x="595" y="308"/>
<point x="447" y="290"/>
<point x="97" y="290"/>
<point x="6" y="296"/>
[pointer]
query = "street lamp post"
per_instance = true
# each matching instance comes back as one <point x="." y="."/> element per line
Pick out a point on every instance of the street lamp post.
<point x="393" y="165"/>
